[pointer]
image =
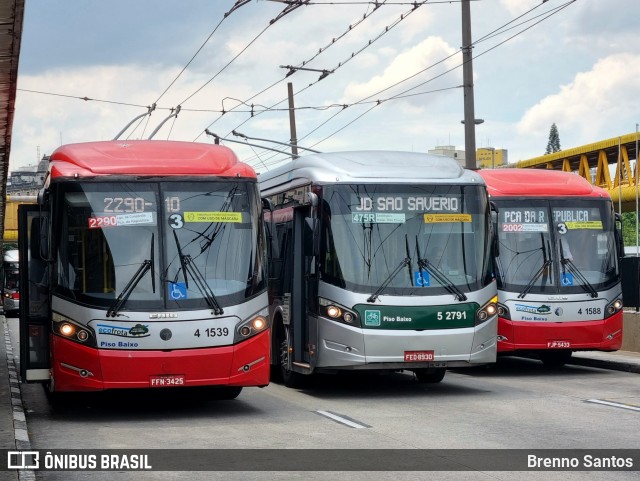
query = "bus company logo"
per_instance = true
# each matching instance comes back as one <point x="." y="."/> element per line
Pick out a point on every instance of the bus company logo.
<point x="23" y="460"/>
<point x="543" y="309"/>
<point x="139" y="330"/>
<point x="372" y="318"/>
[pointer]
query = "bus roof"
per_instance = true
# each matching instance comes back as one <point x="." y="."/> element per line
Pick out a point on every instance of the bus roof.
<point x="538" y="183"/>
<point x="146" y="157"/>
<point x="366" y="167"/>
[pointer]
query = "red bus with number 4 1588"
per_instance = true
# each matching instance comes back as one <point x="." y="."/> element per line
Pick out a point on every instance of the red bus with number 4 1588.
<point x="556" y="263"/>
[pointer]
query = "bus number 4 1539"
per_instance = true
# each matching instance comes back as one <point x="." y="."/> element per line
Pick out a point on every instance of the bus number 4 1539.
<point x="213" y="332"/>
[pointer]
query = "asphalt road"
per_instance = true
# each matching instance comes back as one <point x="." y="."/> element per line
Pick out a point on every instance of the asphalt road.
<point x="516" y="404"/>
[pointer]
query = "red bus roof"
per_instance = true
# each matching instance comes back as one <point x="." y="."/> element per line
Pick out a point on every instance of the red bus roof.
<point x="146" y="157"/>
<point x="537" y="183"/>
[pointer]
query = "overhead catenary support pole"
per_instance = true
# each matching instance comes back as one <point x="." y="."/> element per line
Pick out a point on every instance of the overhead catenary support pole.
<point x="292" y="122"/>
<point x="467" y="80"/>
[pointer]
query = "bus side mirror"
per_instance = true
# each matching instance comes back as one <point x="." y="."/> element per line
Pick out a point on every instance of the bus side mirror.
<point x="618" y="235"/>
<point x="39" y="244"/>
<point x="494" y="230"/>
<point x="312" y="237"/>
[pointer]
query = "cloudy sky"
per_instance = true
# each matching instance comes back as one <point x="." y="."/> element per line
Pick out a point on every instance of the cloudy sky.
<point x="395" y="82"/>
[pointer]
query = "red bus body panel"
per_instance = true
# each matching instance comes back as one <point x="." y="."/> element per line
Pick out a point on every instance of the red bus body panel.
<point x="508" y="183"/>
<point x="244" y="364"/>
<point x="583" y="335"/>
<point x="147" y="157"/>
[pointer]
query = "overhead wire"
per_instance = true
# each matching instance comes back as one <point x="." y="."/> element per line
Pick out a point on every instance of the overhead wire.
<point x="352" y="26"/>
<point x="387" y="29"/>
<point x="545" y="16"/>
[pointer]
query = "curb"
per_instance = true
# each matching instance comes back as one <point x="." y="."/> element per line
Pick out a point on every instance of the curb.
<point x="21" y="434"/>
<point x="606" y="364"/>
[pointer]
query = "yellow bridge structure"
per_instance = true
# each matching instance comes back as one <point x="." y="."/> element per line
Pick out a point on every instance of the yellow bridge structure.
<point x="594" y="162"/>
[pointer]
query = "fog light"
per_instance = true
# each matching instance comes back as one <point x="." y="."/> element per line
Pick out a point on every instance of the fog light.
<point x="347" y="317"/>
<point x="501" y="311"/>
<point x="83" y="335"/>
<point x="482" y="315"/>
<point x="245" y="331"/>
<point x="334" y="312"/>
<point x="67" y="330"/>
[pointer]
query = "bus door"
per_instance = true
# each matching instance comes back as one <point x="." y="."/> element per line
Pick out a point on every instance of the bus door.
<point x="304" y="290"/>
<point x="35" y="320"/>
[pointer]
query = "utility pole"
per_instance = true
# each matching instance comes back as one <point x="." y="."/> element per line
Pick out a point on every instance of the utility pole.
<point x="467" y="80"/>
<point x="292" y="122"/>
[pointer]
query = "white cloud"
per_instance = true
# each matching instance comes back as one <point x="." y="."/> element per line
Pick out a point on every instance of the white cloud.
<point x="596" y="103"/>
<point x="518" y="7"/>
<point x="410" y="62"/>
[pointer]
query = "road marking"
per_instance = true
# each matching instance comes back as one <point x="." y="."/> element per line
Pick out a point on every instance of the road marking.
<point x="615" y="405"/>
<point x="342" y="420"/>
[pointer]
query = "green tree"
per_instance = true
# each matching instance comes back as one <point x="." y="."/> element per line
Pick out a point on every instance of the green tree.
<point x="629" y="228"/>
<point x="554" y="140"/>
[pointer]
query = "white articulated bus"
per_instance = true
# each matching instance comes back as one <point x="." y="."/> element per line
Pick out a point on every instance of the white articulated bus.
<point x="379" y="260"/>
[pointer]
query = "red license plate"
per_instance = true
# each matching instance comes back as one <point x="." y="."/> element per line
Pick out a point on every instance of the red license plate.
<point x="558" y="344"/>
<point x="167" y="381"/>
<point x="418" y="356"/>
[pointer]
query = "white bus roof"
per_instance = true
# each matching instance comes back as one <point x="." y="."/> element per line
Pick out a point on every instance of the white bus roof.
<point x="361" y="167"/>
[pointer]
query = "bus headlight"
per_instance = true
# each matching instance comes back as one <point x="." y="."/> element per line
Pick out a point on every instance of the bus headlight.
<point x="336" y="312"/>
<point x="613" y="307"/>
<point x="69" y="329"/>
<point x="487" y="311"/>
<point x="256" y="323"/>
<point x="503" y="311"/>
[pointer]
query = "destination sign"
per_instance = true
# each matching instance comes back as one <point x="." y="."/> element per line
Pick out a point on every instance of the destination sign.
<point x="398" y="203"/>
<point x="578" y="218"/>
<point x="528" y="216"/>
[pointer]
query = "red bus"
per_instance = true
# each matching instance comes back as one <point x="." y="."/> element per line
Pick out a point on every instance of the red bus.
<point x="557" y="264"/>
<point x="143" y="265"/>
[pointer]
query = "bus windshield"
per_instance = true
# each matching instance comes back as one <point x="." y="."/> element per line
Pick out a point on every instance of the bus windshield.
<point x="134" y="239"/>
<point x="405" y="239"/>
<point x="565" y="246"/>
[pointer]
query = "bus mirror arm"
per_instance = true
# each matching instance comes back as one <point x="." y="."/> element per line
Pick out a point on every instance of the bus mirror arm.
<point x="494" y="230"/>
<point x="618" y="235"/>
<point x="313" y="225"/>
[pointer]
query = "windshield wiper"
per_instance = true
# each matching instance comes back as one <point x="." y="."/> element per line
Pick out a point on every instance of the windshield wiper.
<point x="585" y="284"/>
<point x="547" y="262"/>
<point x="146" y="266"/>
<point x="442" y="278"/>
<point x="390" y="277"/>
<point x="189" y="267"/>
<point x="535" y="277"/>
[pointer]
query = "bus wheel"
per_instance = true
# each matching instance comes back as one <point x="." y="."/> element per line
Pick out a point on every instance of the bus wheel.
<point x="226" y="393"/>
<point x="430" y="375"/>
<point x="555" y="358"/>
<point x="290" y="378"/>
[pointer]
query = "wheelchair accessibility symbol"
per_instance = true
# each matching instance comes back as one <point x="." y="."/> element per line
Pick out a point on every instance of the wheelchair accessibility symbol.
<point x="566" y="279"/>
<point x="177" y="290"/>
<point x="421" y="279"/>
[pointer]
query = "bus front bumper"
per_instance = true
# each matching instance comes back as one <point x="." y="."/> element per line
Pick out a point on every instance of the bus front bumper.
<point x="602" y="335"/>
<point x="76" y="367"/>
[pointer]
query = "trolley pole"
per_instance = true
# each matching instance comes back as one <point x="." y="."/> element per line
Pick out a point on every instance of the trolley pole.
<point x="467" y="80"/>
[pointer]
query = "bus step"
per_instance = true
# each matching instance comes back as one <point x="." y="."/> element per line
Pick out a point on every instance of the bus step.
<point x="302" y="367"/>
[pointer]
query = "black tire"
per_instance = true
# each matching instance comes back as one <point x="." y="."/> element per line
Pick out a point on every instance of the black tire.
<point x="289" y="378"/>
<point x="430" y="375"/>
<point x="555" y="359"/>
<point x="226" y="393"/>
